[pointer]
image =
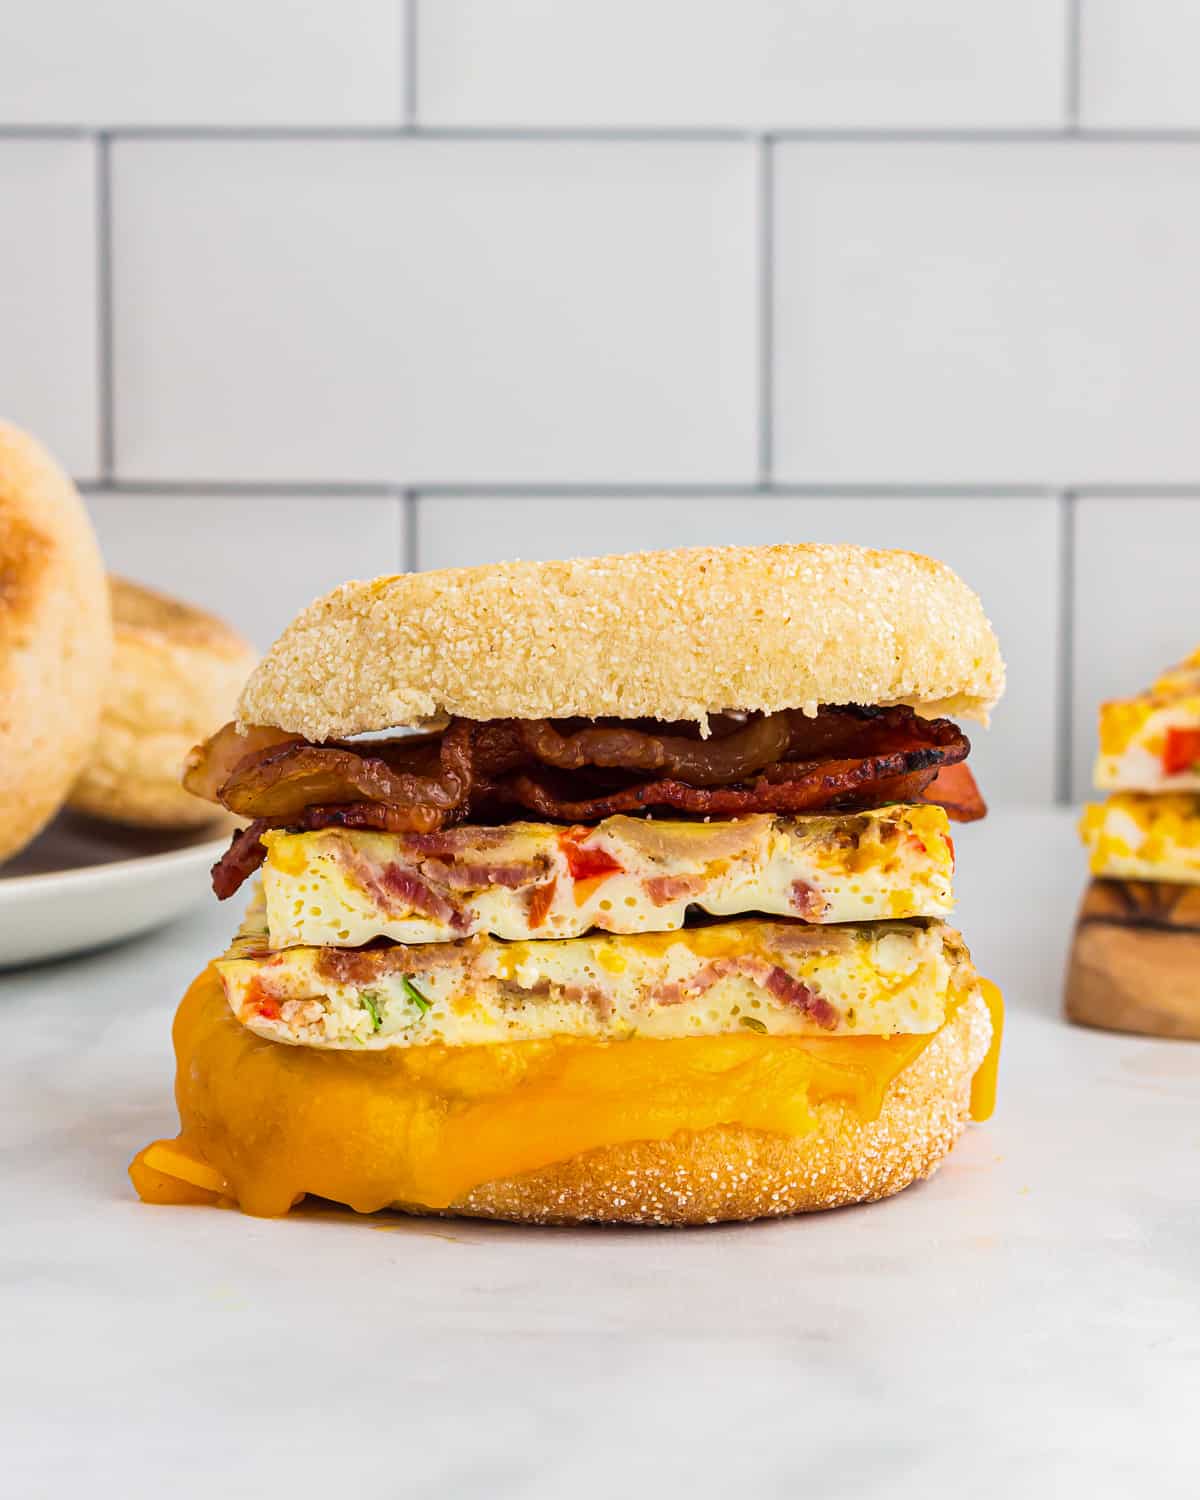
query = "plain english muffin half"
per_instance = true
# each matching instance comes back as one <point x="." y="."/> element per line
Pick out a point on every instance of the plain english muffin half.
<point x="55" y="637"/>
<point x="176" y="675"/>
<point x="667" y="635"/>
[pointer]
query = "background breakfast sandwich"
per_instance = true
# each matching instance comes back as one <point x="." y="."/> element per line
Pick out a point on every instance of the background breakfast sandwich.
<point x="1135" y="965"/>
<point x="641" y="921"/>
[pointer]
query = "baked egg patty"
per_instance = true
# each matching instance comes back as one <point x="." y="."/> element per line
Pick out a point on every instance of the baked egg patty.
<point x="343" y="888"/>
<point x="1141" y="837"/>
<point x="782" y="978"/>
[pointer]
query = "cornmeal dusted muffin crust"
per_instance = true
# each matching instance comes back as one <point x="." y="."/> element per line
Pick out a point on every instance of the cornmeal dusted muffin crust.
<point x="668" y="635"/>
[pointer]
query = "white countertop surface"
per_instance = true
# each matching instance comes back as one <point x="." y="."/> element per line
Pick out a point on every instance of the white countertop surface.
<point x="1028" y="1322"/>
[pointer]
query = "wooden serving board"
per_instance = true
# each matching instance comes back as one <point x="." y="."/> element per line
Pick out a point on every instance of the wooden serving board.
<point x="1135" y="963"/>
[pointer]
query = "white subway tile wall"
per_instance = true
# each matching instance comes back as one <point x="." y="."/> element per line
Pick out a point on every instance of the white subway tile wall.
<point x="503" y="311"/>
<point x="49" y="315"/>
<point x="1141" y="63"/>
<point x="256" y="560"/>
<point x="1020" y="312"/>
<point x="755" y="64"/>
<point x="330" y="291"/>
<point x="202" y="62"/>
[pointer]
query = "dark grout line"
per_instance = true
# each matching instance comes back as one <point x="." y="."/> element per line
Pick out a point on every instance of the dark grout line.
<point x="268" y="489"/>
<point x="568" y="489"/>
<point x="104" y="308"/>
<point x="409" y="551"/>
<point x="1066" y="135"/>
<point x="407" y="131"/>
<point x="411" y="31"/>
<point x="1073" y="60"/>
<point x="919" y="134"/>
<point x="46" y="132"/>
<point x="779" y="489"/>
<point x="1065" y="726"/>
<point x="250" y="133"/>
<point x="130" y="130"/>
<point x="1123" y="136"/>
<point x="578" y="490"/>
<point x="618" y="134"/>
<point x="766" y="311"/>
<point x="632" y="490"/>
<point x="1189" y="490"/>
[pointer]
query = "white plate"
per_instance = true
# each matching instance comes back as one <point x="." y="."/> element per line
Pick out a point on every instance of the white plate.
<point x="81" y="884"/>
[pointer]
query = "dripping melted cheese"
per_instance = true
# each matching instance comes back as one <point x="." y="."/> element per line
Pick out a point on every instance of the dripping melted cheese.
<point x="264" y="1123"/>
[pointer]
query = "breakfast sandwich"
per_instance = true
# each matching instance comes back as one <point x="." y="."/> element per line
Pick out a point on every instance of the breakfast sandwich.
<point x="1136" y="958"/>
<point x="613" y="889"/>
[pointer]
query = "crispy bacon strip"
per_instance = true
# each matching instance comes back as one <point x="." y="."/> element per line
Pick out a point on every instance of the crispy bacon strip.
<point x="955" y="789"/>
<point x="842" y="758"/>
<point x="210" y="765"/>
<point x="240" y="860"/>
<point x="284" y="780"/>
<point x="269" y="774"/>
<point x="731" y="757"/>
<point x="415" y="821"/>
<point x="787" y="788"/>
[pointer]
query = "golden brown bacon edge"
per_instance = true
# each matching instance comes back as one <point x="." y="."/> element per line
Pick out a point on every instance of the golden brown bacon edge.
<point x="954" y="788"/>
<point x="577" y="772"/>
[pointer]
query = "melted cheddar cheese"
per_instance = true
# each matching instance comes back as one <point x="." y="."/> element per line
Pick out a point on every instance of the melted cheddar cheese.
<point x="263" y="1124"/>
